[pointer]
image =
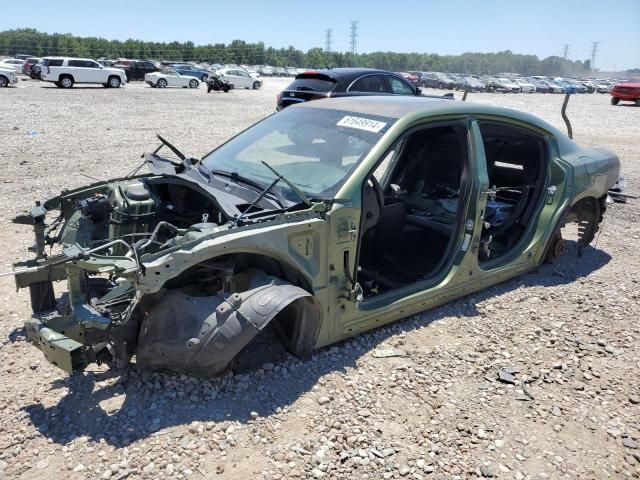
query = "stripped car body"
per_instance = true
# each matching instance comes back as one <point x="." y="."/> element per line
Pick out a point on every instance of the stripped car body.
<point x="369" y="210"/>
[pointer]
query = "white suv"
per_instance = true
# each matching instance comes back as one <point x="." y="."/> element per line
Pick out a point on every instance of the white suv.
<point x="65" y="71"/>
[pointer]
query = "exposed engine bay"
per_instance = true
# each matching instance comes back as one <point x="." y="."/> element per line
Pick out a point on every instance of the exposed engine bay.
<point x="196" y="321"/>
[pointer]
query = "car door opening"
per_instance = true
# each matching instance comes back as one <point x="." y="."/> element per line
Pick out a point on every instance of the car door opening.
<point x="516" y="160"/>
<point x="412" y="214"/>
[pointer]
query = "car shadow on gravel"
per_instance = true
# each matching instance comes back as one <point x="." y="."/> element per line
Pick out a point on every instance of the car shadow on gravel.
<point x="121" y="407"/>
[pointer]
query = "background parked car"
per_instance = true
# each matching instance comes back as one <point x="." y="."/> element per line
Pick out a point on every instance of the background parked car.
<point x="8" y="77"/>
<point x="137" y="69"/>
<point x="28" y="63"/>
<point x="239" y="78"/>
<point x="410" y="77"/>
<point x="627" y="92"/>
<point x="170" y="78"/>
<point x="444" y="81"/>
<point x="472" y="84"/>
<point x="190" y="70"/>
<point x="429" y="80"/>
<point x="14" y="64"/>
<point x="570" y="86"/>
<point x="344" y="82"/>
<point x="36" y="71"/>
<point x="265" y="70"/>
<point x="64" y="72"/>
<point x="503" y="85"/>
<point x="525" y="85"/>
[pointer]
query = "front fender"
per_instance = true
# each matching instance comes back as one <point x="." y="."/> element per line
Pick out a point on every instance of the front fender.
<point x="201" y="335"/>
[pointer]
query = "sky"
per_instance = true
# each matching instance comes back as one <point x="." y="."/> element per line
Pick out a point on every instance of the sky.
<point x="538" y="27"/>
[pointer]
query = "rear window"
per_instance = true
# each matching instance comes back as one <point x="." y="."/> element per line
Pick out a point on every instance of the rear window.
<point x="312" y="84"/>
<point x="52" y="62"/>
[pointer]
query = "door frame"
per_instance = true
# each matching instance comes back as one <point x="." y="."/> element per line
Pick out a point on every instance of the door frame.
<point x="461" y="275"/>
<point x="518" y="254"/>
<point x="460" y="244"/>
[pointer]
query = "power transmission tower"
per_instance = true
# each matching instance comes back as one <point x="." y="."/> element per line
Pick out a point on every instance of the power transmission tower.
<point x="565" y="51"/>
<point x="354" y="37"/>
<point x="327" y="42"/>
<point x="594" y="53"/>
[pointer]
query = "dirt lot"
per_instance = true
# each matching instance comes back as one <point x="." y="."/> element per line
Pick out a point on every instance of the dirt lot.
<point x="570" y="329"/>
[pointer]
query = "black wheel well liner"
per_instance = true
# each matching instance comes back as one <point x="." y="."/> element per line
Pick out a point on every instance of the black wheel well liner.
<point x="298" y="324"/>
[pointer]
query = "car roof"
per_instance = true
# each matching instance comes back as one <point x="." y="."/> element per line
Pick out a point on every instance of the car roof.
<point x="344" y="73"/>
<point x="398" y="106"/>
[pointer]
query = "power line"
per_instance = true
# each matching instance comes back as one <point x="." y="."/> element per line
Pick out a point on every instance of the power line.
<point x="327" y="42"/>
<point x="594" y="53"/>
<point x="565" y="50"/>
<point x="354" y="37"/>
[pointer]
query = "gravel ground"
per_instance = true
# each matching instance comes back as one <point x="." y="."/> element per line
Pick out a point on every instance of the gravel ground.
<point x="568" y="334"/>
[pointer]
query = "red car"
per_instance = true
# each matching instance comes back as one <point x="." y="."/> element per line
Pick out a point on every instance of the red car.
<point x="28" y="63"/>
<point x="410" y="77"/>
<point x="626" y="91"/>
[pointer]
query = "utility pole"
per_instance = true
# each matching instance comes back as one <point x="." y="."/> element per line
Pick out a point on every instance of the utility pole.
<point x="327" y="42"/>
<point x="594" y="53"/>
<point x="354" y="37"/>
<point x="565" y="51"/>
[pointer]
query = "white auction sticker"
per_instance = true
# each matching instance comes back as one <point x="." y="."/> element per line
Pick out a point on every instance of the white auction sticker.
<point x="361" y="123"/>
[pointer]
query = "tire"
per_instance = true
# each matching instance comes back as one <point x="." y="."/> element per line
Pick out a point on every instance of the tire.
<point x="4" y="81"/>
<point x="193" y="83"/>
<point x="204" y="78"/>
<point x="440" y="85"/>
<point x="226" y="88"/>
<point x="161" y="83"/>
<point x="638" y="102"/>
<point x="114" y="82"/>
<point x="66" y="81"/>
<point x="256" y="85"/>
<point x="615" y="100"/>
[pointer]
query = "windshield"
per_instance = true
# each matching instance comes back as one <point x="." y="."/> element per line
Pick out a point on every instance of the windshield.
<point x="314" y="148"/>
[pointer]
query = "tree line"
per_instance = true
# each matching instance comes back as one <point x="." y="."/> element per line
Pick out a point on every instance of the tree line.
<point x="33" y="42"/>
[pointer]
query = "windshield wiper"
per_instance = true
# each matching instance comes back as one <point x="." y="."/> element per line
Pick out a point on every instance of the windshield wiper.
<point x="300" y="194"/>
<point x="240" y="179"/>
<point x="257" y="199"/>
<point x="178" y="153"/>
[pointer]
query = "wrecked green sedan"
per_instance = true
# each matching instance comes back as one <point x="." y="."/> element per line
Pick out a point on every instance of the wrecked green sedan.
<point x="324" y="220"/>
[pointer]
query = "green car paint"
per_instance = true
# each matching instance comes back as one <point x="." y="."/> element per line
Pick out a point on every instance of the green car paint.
<point x="296" y="266"/>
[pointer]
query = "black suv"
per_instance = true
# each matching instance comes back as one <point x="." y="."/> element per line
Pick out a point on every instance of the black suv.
<point x="343" y="82"/>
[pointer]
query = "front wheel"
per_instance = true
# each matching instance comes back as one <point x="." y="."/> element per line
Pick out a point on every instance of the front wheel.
<point x="193" y="83"/>
<point x="256" y="85"/>
<point x="114" y="82"/>
<point x="615" y="100"/>
<point x="638" y="102"/>
<point x="4" y="81"/>
<point x="161" y="83"/>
